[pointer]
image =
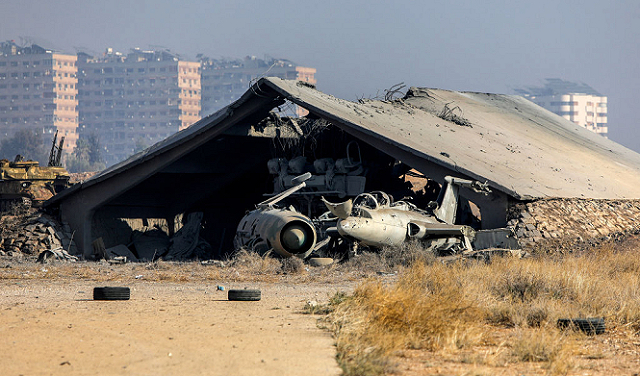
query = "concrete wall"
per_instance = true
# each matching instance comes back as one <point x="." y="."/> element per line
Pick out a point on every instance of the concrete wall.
<point x="556" y="221"/>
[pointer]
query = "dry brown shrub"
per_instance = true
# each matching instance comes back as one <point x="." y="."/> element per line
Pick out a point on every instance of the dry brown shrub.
<point x="406" y="255"/>
<point x="293" y="265"/>
<point x="253" y="263"/>
<point x="366" y="262"/>
<point x="425" y="310"/>
<point x="545" y="345"/>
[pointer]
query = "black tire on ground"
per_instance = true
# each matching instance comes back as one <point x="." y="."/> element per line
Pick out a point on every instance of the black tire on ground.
<point x="244" y="295"/>
<point x="111" y="293"/>
<point x="589" y="326"/>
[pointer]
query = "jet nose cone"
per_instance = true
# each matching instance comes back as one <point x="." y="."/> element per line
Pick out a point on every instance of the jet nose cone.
<point x="354" y="227"/>
<point x="294" y="238"/>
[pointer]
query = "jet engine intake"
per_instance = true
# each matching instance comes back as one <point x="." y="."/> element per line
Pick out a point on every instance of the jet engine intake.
<point x="286" y="232"/>
<point x="297" y="238"/>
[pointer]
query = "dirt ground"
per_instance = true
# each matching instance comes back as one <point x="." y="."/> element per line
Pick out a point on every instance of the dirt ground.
<point x="53" y="327"/>
<point x="178" y="322"/>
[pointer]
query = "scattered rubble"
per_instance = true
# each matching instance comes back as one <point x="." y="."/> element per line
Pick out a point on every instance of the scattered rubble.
<point x="31" y="233"/>
<point x="454" y="115"/>
<point x="568" y="222"/>
<point x="153" y="243"/>
<point x="186" y="243"/>
<point x="79" y="177"/>
<point x="56" y="254"/>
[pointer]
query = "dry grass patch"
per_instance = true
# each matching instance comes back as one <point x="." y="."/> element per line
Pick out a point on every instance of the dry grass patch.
<point x="441" y="308"/>
<point x="422" y="311"/>
<point x="545" y="345"/>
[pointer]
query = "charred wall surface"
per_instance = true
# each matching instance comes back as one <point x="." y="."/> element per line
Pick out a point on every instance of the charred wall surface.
<point x="567" y="222"/>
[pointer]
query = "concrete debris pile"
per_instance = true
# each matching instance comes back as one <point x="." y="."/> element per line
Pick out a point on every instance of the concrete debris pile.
<point x="79" y="177"/>
<point x="572" y="221"/>
<point x="33" y="233"/>
<point x="154" y="244"/>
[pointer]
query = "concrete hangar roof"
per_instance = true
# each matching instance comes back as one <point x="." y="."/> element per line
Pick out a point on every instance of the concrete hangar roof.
<point x="519" y="147"/>
<point x="522" y="150"/>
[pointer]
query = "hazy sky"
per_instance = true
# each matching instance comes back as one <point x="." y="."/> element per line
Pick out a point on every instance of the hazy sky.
<point x="363" y="47"/>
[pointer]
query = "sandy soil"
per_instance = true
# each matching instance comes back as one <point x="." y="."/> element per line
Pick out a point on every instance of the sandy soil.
<point x="55" y="328"/>
<point x="177" y="322"/>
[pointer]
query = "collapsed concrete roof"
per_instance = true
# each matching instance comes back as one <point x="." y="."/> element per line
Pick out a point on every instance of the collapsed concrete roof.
<point x="519" y="147"/>
<point x="522" y="150"/>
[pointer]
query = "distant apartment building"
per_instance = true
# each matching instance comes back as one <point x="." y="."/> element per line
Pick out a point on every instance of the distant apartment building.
<point x="129" y="101"/>
<point x="579" y="103"/>
<point x="38" y="91"/>
<point x="133" y="101"/>
<point x="224" y="81"/>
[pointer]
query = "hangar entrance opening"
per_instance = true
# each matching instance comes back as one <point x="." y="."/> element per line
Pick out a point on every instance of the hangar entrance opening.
<point x="229" y="175"/>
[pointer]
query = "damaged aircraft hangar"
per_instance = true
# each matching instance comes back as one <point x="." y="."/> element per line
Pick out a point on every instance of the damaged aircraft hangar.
<point x="224" y="165"/>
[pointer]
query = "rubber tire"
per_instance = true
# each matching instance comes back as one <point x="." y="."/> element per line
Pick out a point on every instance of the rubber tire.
<point x="589" y="326"/>
<point x="320" y="261"/>
<point x="111" y="293"/>
<point x="244" y="295"/>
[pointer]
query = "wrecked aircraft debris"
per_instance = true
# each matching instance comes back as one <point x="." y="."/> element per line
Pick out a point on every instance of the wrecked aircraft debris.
<point x="373" y="219"/>
<point x="283" y="230"/>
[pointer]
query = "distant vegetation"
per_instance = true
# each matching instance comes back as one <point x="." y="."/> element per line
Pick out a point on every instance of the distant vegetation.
<point x="86" y="156"/>
<point x="28" y="144"/>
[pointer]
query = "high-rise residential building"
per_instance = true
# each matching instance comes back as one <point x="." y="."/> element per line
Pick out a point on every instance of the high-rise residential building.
<point x="129" y="101"/>
<point x="224" y="81"/>
<point x="577" y="102"/>
<point x="38" y="91"/>
<point x="133" y="101"/>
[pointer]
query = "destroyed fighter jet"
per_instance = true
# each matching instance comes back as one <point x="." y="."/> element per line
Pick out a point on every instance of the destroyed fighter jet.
<point x="373" y="219"/>
<point x="282" y="230"/>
